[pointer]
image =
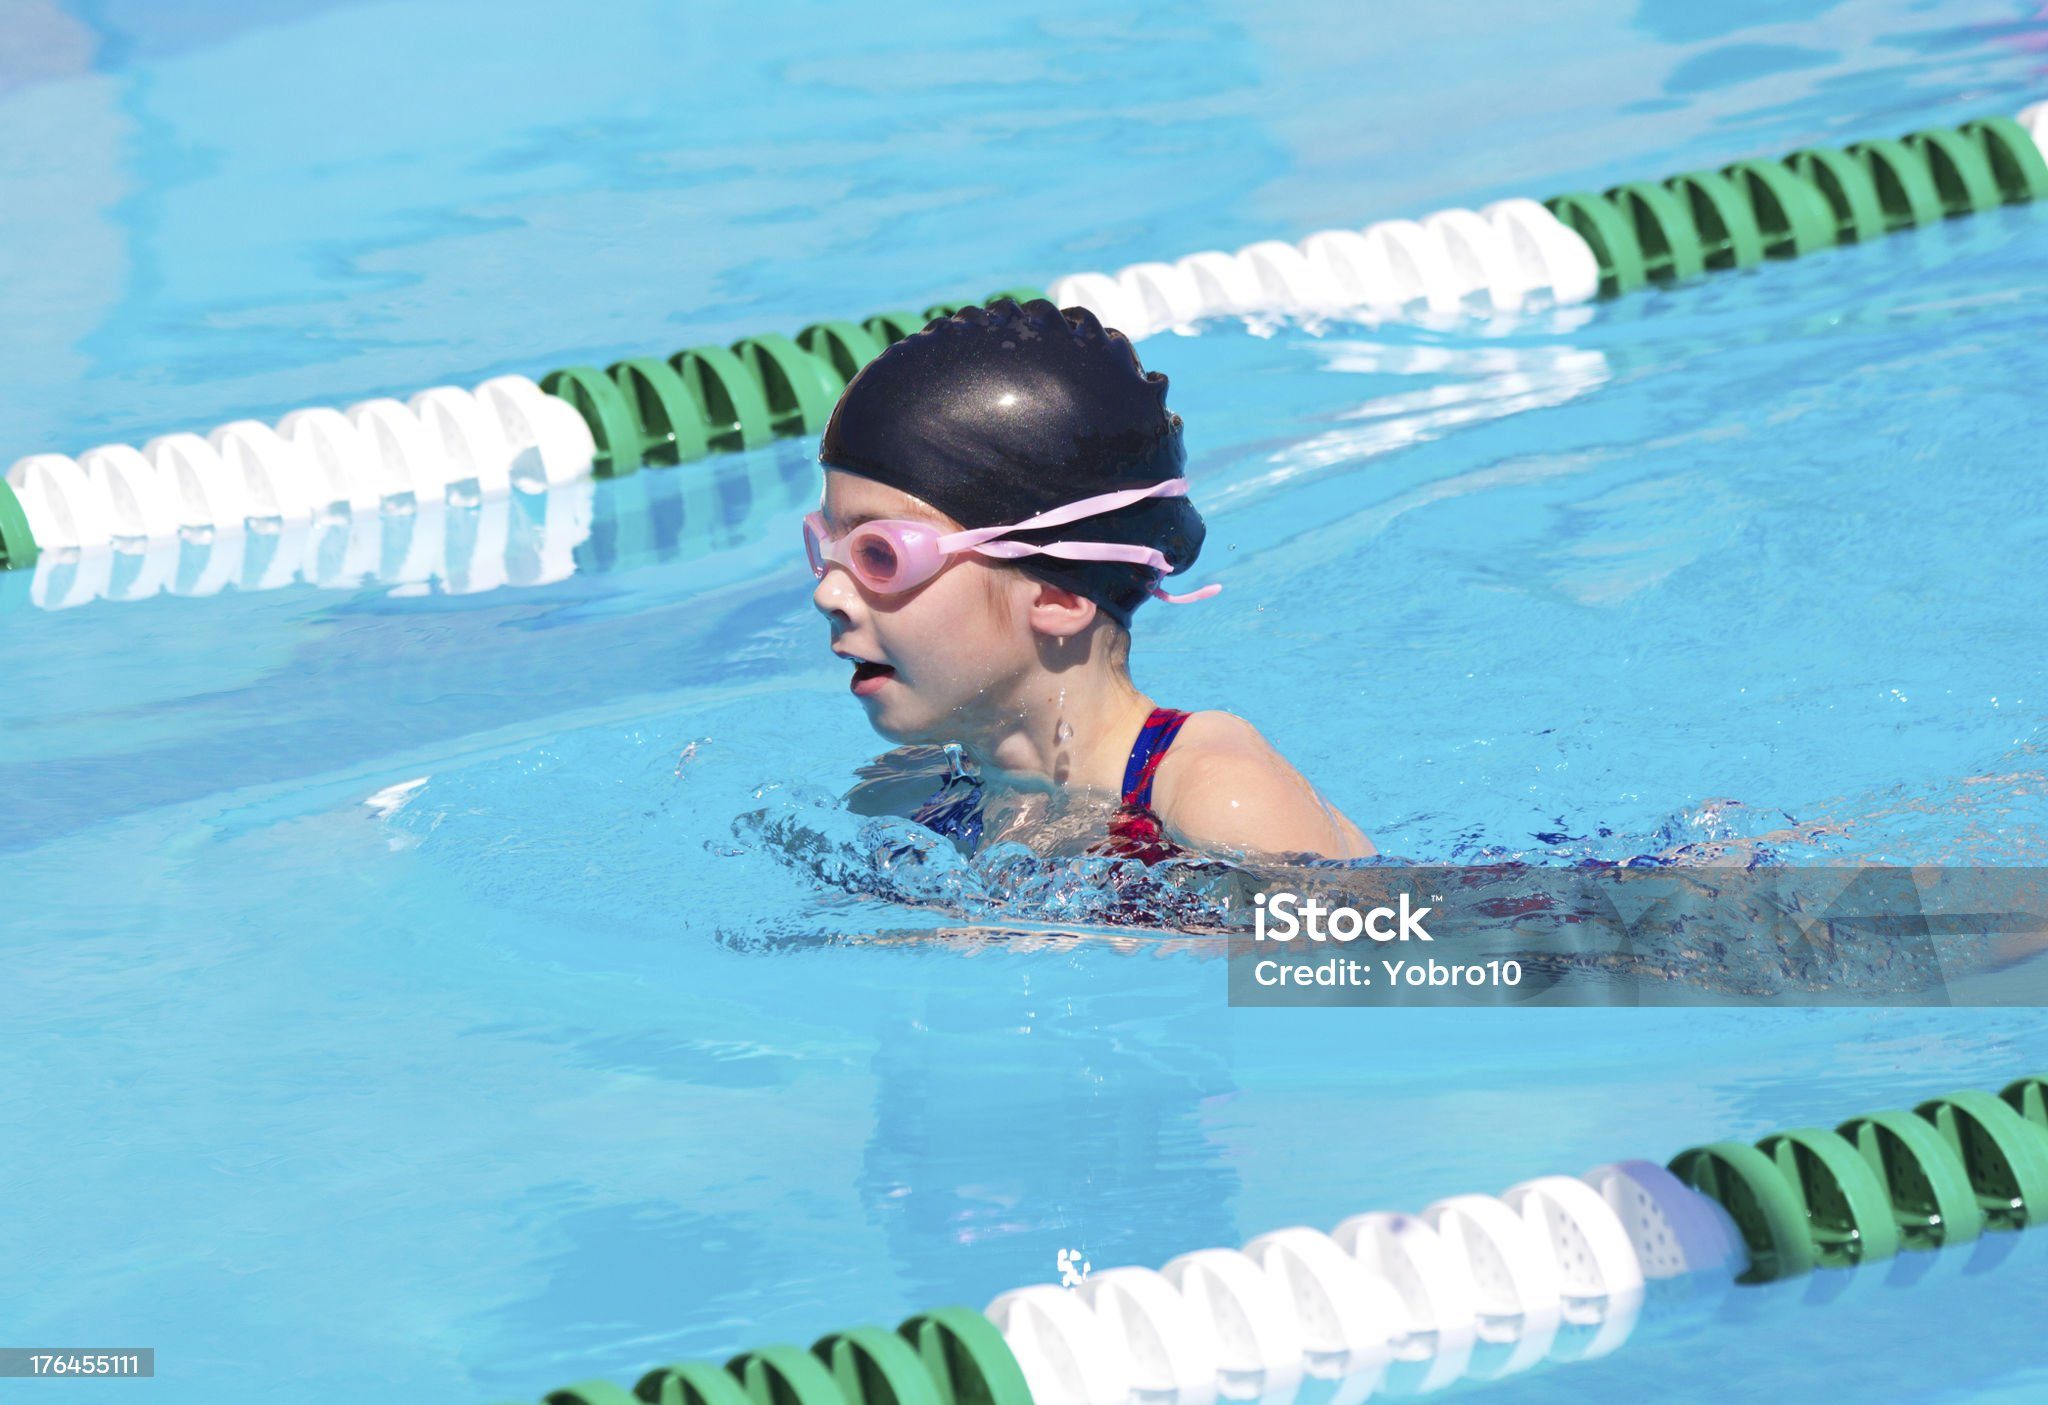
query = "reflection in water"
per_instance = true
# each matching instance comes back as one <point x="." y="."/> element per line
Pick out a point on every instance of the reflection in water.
<point x="1100" y="1145"/>
<point x="519" y="539"/>
<point x="1491" y="382"/>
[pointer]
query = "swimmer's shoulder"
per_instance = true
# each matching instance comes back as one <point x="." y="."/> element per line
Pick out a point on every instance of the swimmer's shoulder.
<point x="1211" y="750"/>
<point x="1217" y="737"/>
<point x="1222" y="782"/>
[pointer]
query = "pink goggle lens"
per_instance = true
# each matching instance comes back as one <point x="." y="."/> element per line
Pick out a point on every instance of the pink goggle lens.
<point x="874" y="557"/>
<point x="872" y="552"/>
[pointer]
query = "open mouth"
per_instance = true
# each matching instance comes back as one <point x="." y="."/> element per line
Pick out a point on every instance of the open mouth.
<point x="869" y="677"/>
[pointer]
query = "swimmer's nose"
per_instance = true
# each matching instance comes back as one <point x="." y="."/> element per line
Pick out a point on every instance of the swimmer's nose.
<point x="834" y="593"/>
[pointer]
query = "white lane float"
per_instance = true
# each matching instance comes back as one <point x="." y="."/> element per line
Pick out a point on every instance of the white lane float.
<point x="1170" y="1354"/>
<point x="1067" y="1355"/>
<point x="1452" y="261"/>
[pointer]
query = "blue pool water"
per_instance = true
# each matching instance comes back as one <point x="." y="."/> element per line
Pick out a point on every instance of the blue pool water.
<point x="414" y="992"/>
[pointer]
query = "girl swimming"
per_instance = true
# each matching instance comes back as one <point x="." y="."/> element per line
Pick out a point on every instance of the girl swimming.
<point x="1002" y="491"/>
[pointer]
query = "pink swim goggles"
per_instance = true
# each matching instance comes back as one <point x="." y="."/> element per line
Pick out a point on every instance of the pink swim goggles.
<point x="893" y="555"/>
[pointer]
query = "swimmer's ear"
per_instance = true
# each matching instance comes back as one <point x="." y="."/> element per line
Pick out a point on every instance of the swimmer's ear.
<point x="1060" y="613"/>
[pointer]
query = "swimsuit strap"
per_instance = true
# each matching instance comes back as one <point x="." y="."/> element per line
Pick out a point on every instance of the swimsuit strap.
<point x="955" y="810"/>
<point x="1147" y="753"/>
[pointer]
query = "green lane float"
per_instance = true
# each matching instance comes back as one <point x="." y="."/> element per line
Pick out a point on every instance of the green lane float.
<point x="1849" y="1219"/>
<point x="17" y="542"/>
<point x="875" y="1367"/>
<point x="689" y="1383"/>
<point x="1811" y="199"/>
<point x="2029" y="1098"/>
<point x="1726" y="226"/>
<point x="614" y="428"/>
<point x="2004" y="1155"/>
<point x="1905" y="187"/>
<point x="966" y="1358"/>
<point x="1932" y="1201"/>
<point x="1760" y="1201"/>
<point x="735" y="408"/>
<point x="950" y="1356"/>
<point x="1845" y="184"/>
<point x="1942" y="1174"/>
<point x="785" y="1375"/>
<point x="2016" y="162"/>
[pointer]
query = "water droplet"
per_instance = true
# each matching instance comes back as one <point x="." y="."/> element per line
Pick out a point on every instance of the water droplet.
<point x="1064" y="732"/>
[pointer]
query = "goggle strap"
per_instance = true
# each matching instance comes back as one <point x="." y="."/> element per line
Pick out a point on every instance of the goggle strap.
<point x="1079" y="551"/>
<point x="1188" y="599"/>
<point x="1070" y="512"/>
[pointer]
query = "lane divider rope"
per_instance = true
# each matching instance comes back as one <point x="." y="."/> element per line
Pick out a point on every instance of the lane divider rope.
<point x="383" y="456"/>
<point x="529" y="540"/>
<point x="1554" y="1269"/>
<point x="1575" y="247"/>
<point x="447" y="444"/>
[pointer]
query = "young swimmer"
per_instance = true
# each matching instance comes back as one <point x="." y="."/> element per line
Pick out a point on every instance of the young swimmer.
<point x="1002" y="490"/>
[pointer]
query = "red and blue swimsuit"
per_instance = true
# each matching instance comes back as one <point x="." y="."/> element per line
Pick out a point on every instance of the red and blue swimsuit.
<point x="1134" y="832"/>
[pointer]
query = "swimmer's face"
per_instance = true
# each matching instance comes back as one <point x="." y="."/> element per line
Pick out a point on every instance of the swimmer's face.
<point x="942" y="660"/>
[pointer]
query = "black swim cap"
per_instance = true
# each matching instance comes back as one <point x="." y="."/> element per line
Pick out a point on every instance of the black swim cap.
<point x="997" y="414"/>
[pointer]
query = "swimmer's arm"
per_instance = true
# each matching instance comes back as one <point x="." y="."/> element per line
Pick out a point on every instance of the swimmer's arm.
<point x="1232" y="790"/>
